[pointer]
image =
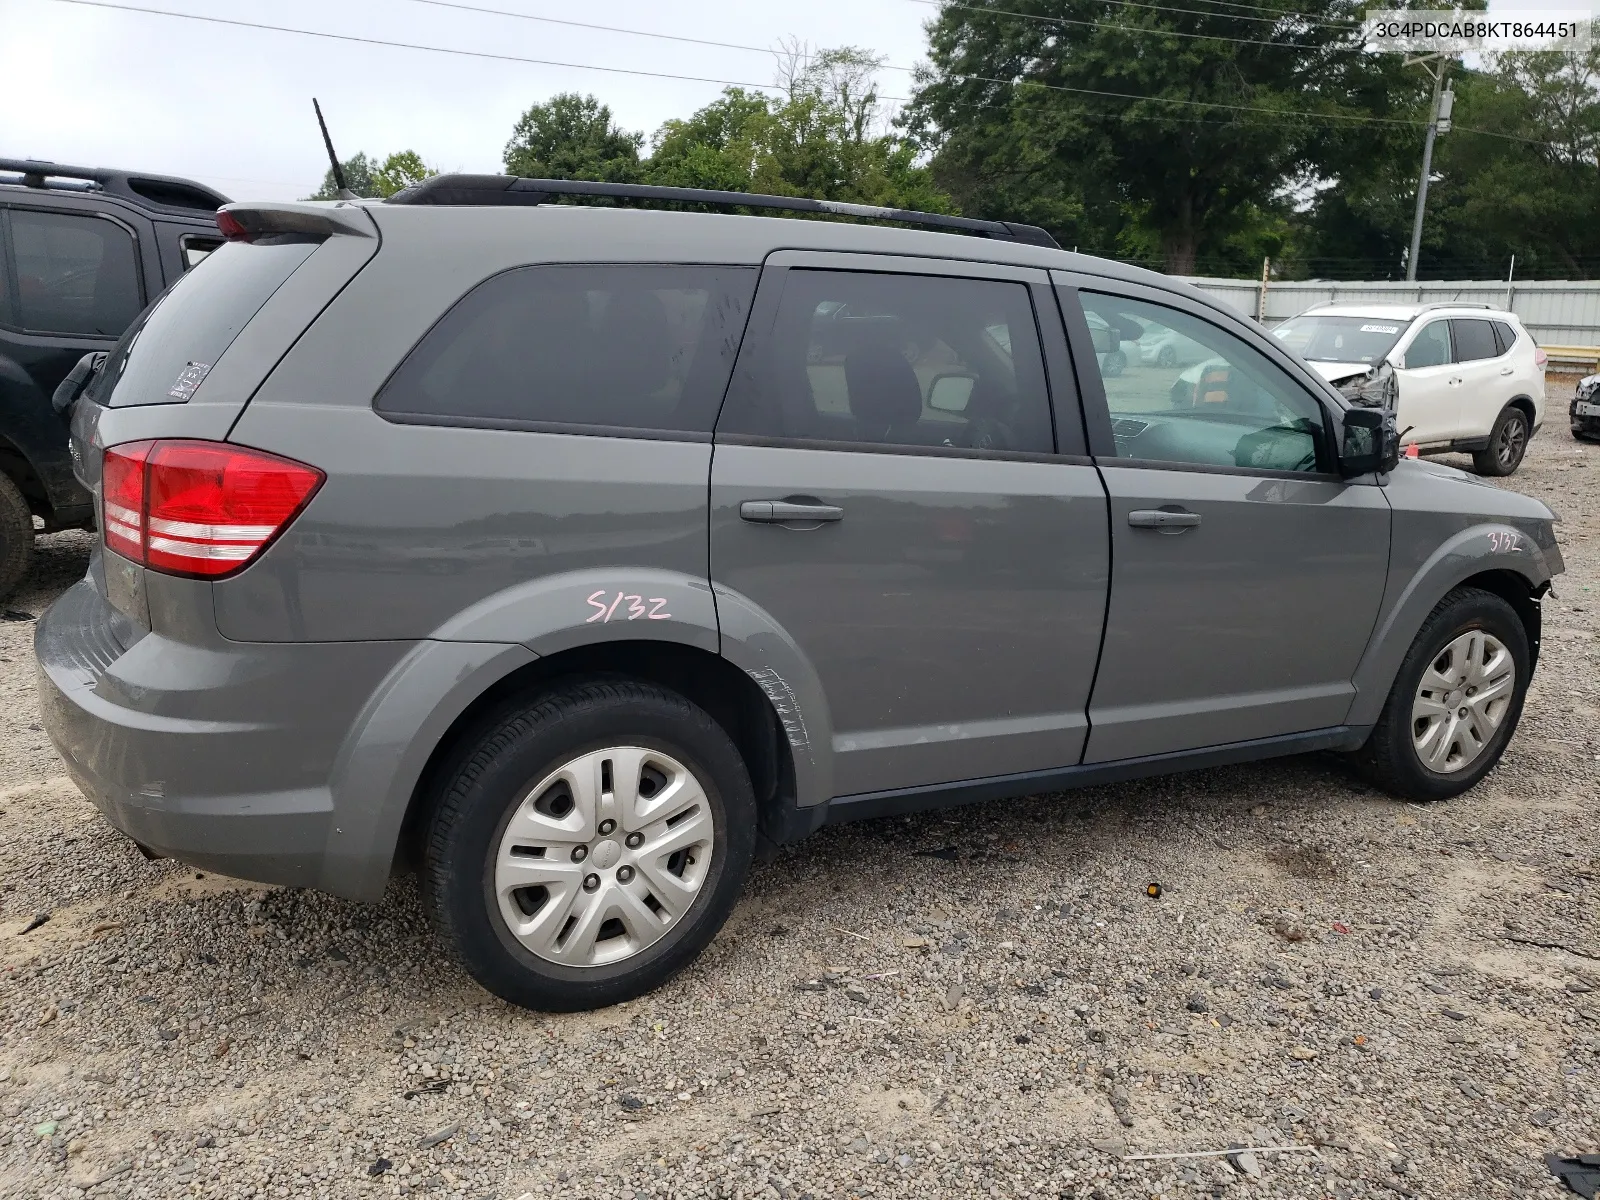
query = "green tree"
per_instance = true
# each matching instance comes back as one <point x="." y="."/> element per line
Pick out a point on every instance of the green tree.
<point x="1533" y="191"/>
<point x="1138" y="129"/>
<point x="359" y="172"/>
<point x="368" y="178"/>
<point x="825" y="136"/>
<point x="573" y="137"/>
<point x="401" y="170"/>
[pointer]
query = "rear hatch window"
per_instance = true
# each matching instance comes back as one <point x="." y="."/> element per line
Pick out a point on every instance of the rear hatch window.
<point x="169" y="350"/>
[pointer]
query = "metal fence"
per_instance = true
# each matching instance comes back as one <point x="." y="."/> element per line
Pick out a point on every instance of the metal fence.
<point x="1556" y="314"/>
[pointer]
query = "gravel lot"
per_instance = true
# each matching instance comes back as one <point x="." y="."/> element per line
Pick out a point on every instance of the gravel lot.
<point x="984" y="1002"/>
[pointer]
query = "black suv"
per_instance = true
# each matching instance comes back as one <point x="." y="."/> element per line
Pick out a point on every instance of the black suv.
<point x="82" y="251"/>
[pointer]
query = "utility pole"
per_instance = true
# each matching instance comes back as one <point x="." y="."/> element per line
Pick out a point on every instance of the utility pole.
<point x="1438" y="122"/>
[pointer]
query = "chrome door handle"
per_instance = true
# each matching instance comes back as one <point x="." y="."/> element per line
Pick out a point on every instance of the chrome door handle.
<point x="774" y="512"/>
<point x="1507" y="371"/>
<point x="1161" y="518"/>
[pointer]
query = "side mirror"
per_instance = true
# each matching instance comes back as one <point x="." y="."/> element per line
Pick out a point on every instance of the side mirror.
<point x="1368" y="442"/>
<point x="77" y="382"/>
<point x="1398" y="362"/>
<point x="950" y="393"/>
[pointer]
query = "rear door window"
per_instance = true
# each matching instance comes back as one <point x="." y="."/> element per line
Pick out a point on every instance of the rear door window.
<point x="1474" y="340"/>
<point x="72" y="274"/>
<point x="898" y="360"/>
<point x="169" y="351"/>
<point x="580" y="349"/>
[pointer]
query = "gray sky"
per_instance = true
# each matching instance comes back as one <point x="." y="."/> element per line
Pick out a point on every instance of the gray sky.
<point x="232" y="107"/>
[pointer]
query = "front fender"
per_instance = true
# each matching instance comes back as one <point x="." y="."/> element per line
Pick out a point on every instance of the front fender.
<point x="1487" y="546"/>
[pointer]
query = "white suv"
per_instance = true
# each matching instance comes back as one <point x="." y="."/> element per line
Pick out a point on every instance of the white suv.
<point x="1468" y="377"/>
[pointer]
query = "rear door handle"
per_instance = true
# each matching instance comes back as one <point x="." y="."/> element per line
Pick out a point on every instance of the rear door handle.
<point x="773" y="512"/>
<point x="1507" y="371"/>
<point x="1162" y="518"/>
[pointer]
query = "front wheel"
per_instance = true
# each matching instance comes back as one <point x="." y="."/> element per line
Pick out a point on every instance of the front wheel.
<point x="589" y="845"/>
<point x="1508" y="442"/>
<point x="1114" y="364"/>
<point x="1455" y="702"/>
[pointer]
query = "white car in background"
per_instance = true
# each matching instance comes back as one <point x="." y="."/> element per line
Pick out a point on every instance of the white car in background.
<point x="1467" y="377"/>
<point x="1168" y="348"/>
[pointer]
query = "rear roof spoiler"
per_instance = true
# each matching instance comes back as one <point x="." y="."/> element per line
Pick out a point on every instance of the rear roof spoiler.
<point x="512" y="190"/>
<point x="320" y="219"/>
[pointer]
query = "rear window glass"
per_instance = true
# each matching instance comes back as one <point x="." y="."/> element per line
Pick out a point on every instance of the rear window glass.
<point x="585" y="349"/>
<point x="168" y="352"/>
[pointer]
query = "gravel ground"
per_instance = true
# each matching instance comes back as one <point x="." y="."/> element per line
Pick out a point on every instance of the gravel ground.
<point x="984" y="1002"/>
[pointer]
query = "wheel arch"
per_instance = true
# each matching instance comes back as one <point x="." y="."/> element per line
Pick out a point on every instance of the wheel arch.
<point x="1525" y="405"/>
<point x="1523" y="596"/>
<point x="731" y="697"/>
<point x="1520" y="577"/>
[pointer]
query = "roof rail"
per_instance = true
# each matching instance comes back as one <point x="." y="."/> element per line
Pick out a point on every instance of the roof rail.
<point x="147" y="191"/>
<point x="512" y="190"/>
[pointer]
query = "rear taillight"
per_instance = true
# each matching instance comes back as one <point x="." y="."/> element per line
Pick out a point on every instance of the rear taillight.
<point x="204" y="509"/>
<point x="1540" y="357"/>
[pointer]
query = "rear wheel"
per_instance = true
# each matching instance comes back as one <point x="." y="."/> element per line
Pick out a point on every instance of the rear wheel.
<point x="1508" y="442"/>
<point x="16" y="536"/>
<point x="1166" y="357"/>
<point x="589" y="845"/>
<point x="1115" y="364"/>
<point x="1455" y="701"/>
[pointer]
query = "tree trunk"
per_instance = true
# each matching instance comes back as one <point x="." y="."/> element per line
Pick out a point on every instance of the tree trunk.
<point x="1179" y="240"/>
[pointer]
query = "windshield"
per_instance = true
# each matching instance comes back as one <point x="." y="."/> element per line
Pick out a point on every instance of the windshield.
<point x="1340" y="339"/>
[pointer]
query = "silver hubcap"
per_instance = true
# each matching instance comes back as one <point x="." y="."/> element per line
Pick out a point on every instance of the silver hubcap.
<point x="603" y="856"/>
<point x="1464" y="695"/>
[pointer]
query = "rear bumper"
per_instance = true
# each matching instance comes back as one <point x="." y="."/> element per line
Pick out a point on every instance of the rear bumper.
<point x="219" y="755"/>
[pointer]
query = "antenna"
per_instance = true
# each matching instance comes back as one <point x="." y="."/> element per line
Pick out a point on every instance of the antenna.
<point x="344" y="192"/>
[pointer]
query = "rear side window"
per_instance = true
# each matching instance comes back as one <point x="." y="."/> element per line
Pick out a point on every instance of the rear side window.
<point x="1505" y="337"/>
<point x="1474" y="340"/>
<point x="580" y="349"/>
<point x="898" y="360"/>
<point x="167" y="354"/>
<point x="72" y="274"/>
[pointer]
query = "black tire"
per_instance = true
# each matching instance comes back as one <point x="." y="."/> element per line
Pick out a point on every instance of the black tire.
<point x="1508" y="442"/>
<point x="523" y="745"/>
<point x="1115" y="364"/>
<point x="1166" y="357"/>
<point x="16" y="537"/>
<point x="1389" y="760"/>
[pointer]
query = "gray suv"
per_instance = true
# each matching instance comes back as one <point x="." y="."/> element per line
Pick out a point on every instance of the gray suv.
<point x="573" y="554"/>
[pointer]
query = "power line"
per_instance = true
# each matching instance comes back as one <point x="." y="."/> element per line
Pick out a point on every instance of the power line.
<point x="668" y="37"/>
<point x="1197" y="12"/>
<point x="769" y="87"/>
<point x="370" y="41"/>
<point x="1208" y="37"/>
